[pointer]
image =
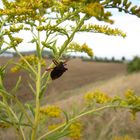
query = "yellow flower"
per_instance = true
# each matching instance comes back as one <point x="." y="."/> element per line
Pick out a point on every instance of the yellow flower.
<point x="94" y="9"/>
<point x="86" y="49"/>
<point x="51" y="111"/>
<point x="15" y="69"/>
<point x="31" y="59"/>
<point x="129" y="93"/>
<point x="75" y="130"/>
<point x="98" y="96"/>
<point x="126" y="137"/>
<point x="67" y="2"/>
<point x="53" y="126"/>
<point x="132" y="100"/>
<point x="80" y="48"/>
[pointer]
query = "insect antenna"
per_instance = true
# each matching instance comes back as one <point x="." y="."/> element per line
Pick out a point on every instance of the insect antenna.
<point x="64" y="63"/>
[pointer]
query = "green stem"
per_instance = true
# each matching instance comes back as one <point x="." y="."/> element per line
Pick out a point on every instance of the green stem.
<point x="25" y="61"/>
<point x="23" y="109"/>
<point x="12" y="115"/>
<point x="38" y="45"/>
<point x="38" y="87"/>
<point x="71" y="36"/>
<point x="21" y="130"/>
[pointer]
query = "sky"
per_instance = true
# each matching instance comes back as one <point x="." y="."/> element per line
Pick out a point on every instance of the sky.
<point x="110" y="46"/>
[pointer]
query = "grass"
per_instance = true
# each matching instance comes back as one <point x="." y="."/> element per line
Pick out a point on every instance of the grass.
<point x="110" y="123"/>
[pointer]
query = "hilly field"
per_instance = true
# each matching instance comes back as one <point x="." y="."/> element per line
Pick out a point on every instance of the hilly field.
<point x="79" y="74"/>
<point x="68" y="92"/>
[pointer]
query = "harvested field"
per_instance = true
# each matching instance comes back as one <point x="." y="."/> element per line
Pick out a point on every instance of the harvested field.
<point x="79" y="73"/>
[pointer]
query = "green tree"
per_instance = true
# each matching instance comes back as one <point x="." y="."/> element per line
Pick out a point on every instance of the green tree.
<point x="134" y="65"/>
<point x="45" y="21"/>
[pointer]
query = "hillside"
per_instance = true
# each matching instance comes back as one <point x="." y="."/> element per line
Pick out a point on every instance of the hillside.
<point x="79" y="74"/>
<point x="109" y="123"/>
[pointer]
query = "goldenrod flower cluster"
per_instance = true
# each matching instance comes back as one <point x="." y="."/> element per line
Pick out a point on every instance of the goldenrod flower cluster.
<point x="52" y="28"/>
<point x="14" y="11"/>
<point x="132" y="100"/>
<point x="80" y="48"/>
<point x="15" y="69"/>
<point x="126" y="137"/>
<point x="97" y="96"/>
<point x="85" y="48"/>
<point x="51" y="111"/>
<point x="75" y="130"/>
<point x="53" y="126"/>
<point x="15" y="41"/>
<point x="24" y="9"/>
<point x="31" y="59"/>
<point x="102" y="29"/>
<point x="67" y="2"/>
<point x="14" y="28"/>
<point x="94" y="9"/>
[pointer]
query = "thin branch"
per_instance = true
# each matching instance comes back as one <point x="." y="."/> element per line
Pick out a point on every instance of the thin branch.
<point x="25" y="61"/>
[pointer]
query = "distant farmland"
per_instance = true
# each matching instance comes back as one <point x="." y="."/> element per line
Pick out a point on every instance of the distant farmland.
<point x="80" y="73"/>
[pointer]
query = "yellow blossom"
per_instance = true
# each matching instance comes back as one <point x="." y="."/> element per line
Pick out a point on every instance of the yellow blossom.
<point x="31" y="59"/>
<point x="94" y="9"/>
<point x="86" y="49"/>
<point x="53" y="126"/>
<point x="75" y="130"/>
<point x="126" y="137"/>
<point x="67" y="2"/>
<point x="80" y="48"/>
<point x="129" y="93"/>
<point x="132" y="100"/>
<point x="98" y="96"/>
<point x="51" y="111"/>
<point x="15" y="69"/>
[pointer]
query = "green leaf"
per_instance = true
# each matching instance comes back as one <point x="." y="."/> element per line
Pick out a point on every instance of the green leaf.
<point x="4" y="93"/>
<point x="42" y="91"/>
<point x="125" y="2"/>
<point x="30" y="107"/>
<point x="128" y="5"/>
<point x="133" y="10"/>
<point x="16" y="86"/>
<point x="66" y="116"/>
<point x="57" y="135"/>
<point x="20" y="119"/>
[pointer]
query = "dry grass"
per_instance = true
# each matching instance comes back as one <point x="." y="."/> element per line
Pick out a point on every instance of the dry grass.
<point x="109" y="123"/>
<point x="114" y="86"/>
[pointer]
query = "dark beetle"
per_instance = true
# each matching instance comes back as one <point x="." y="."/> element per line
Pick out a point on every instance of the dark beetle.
<point x="58" y="70"/>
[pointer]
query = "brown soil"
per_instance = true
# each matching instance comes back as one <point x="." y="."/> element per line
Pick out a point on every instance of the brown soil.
<point x="79" y="73"/>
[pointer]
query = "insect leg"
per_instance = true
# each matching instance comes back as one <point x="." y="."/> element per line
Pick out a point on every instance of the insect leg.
<point x="49" y="69"/>
<point x="55" y="62"/>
